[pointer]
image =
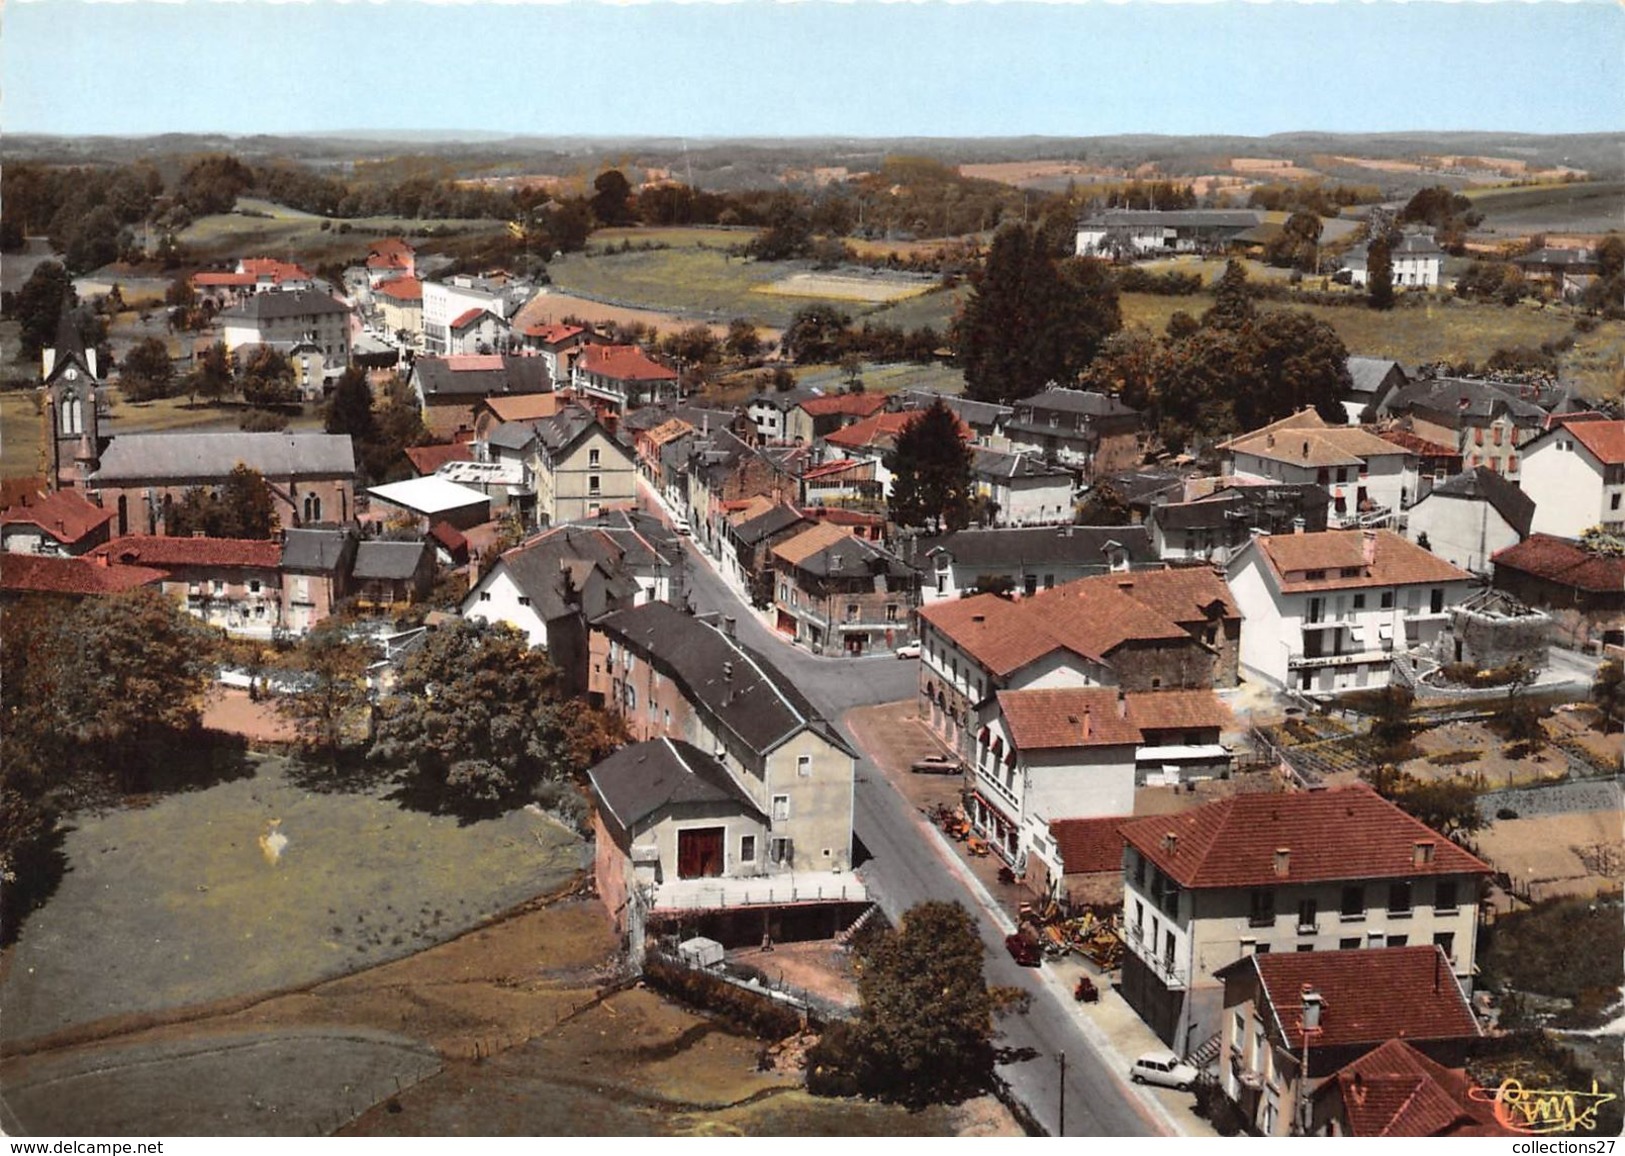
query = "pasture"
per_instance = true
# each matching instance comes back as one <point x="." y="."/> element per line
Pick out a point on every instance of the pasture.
<point x="1577" y="207"/>
<point x="860" y="288"/>
<point x="275" y="230"/>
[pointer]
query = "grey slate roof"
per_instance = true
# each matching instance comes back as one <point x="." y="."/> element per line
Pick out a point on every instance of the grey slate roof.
<point x="1073" y="401"/>
<point x="1483" y="484"/>
<point x="1078" y="545"/>
<point x="642" y="779"/>
<point x="277" y="304"/>
<point x="513" y="435"/>
<point x="561" y="430"/>
<point x="391" y="561"/>
<point x="538" y="566"/>
<point x="764" y="526"/>
<point x="992" y="464"/>
<point x="1266" y="504"/>
<point x="1527" y="404"/>
<point x="854" y="555"/>
<point x="1176" y="218"/>
<point x="1368" y="373"/>
<point x="739" y="688"/>
<point x="322" y="551"/>
<point x="1417" y="245"/>
<point x="436" y="378"/>
<point x="209" y="456"/>
<point x="973" y="413"/>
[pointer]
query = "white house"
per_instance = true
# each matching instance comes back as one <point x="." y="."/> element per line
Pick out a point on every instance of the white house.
<point x="1043" y="755"/>
<point x="1417" y="263"/>
<point x="1329" y="612"/>
<point x="1468" y="518"/>
<point x="1149" y="231"/>
<point x="1022" y="489"/>
<point x="1365" y="475"/>
<point x="445" y="302"/>
<point x="1575" y="473"/>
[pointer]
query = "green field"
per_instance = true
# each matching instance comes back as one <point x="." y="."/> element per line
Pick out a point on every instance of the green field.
<point x="1443" y="329"/>
<point x="891" y="378"/>
<point x="290" y="235"/>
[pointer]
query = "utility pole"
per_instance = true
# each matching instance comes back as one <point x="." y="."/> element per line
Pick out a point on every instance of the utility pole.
<point x="1060" y="1129"/>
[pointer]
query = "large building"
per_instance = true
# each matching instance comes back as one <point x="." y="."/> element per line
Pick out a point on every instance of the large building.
<point x="1150" y="232"/>
<point x="1575" y="474"/>
<point x="1330" y="612"/>
<point x="1322" y="871"/>
<point x="283" y="317"/>
<point x="1366" y="476"/>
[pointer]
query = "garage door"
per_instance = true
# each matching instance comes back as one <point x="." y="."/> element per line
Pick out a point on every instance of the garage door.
<point x="699" y="852"/>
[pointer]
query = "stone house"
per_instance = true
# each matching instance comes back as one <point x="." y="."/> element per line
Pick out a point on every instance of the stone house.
<point x="1090" y="432"/>
<point x="580" y="470"/>
<point x="234" y="584"/>
<point x="390" y="575"/>
<point x="289" y="317"/>
<point x="315" y="566"/>
<point x="64" y="523"/>
<point x="1365" y="475"/>
<point x="1021" y="489"/>
<point x="838" y="593"/>
<point x="1029" y="560"/>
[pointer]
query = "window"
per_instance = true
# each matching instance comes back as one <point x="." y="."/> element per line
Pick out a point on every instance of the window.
<point x="1353" y="906"/>
<point x="1398" y="940"/>
<point x="254" y="586"/>
<point x="1049" y="582"/>
<point x="1399" y="898"/>
<point x="1446" y="941"/>
<point x="219" y="586"/>
<point x="891" y="612"/>
<point x="781" y="807"/>
<point x="594" y="486"/>
<point x="1306" y="947"/>
<point x="1307" y="915"/>
<point x="1029" y="584"/>
<point x="1261" y="949"/>
<point x="851" y="611"/>
<point x="524" y="600"/>
<point x="1352" y="943"/>
<point x="1436" y="600"/>
<point x="1444" y="896"/>
<point x="803" y="766"/>
<point x="1613" y="501"/>
<point x="1263" y="908"/>
<point x="1359" y="601"/>
<point x="592" y="459"/>
<point x="1387" y="600"/>
<point x="1314" y="575"/>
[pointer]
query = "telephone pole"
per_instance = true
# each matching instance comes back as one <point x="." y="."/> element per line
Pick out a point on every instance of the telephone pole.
<point x="1060" y="1129"/>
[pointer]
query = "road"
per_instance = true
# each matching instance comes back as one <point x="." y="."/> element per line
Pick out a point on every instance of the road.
<point x="910" y="866"/>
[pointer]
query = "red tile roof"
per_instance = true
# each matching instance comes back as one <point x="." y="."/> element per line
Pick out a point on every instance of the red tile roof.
<point x="1347" y="833"/>
<point x="1417" y="444"/>
<point x="158" y="551"/>
<point x="1090" y="617"/>
<point x="401" y="289"/>
<point x="1305" y="439"/>
<point x="1368" y="995"/>
<point x="525" y="406"/>
<point x="855" y="404"/>
<point x="1605" y="439"/>
<point x="230" y="279"/>
<point x="1563" y="561"/>
<point x="1178" y="710"/>
<point x="66" y="515"/>
<point x="623" y="363"/>
<point x="1395" y="1090"/>
<point x="1063" y="718"/>
<point x="427" y="459"/>
<point x="389" y="245"/>
<point x="37" y="574"/>
<point x="840" y="465"/>
<point x="1380" y="557"/>
<point x="881" y="429"/>
<point x="474" y="362"/>
<point x="1089" y="846"/>
<point x="464" y="320"/>
<point x="276" y="271"/>
<point x="452" y="539"/>
<point x="551" y="333"/>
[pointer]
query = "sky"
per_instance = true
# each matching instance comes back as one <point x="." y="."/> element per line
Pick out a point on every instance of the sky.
<point x="813" y="68"/>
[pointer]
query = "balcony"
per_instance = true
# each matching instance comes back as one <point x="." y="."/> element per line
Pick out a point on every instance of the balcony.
<point x="1299" y="661"/>
<point x="1261" y="920"/>
<point x="1312" y="928"/>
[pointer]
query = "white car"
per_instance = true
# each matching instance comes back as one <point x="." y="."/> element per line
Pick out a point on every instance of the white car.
<point x="680" y="525"/>
<point x="908" y="650"/>
<point x="1163" y="1068"/>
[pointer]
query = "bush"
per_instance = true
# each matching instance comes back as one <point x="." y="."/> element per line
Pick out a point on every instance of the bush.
<point x="746" y="1011"/>
<point x="1506" y="813"/>
<point x="1455" y="758"/>
<point x="263" y="421"/>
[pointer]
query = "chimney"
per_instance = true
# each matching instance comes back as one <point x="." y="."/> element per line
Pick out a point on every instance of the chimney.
<point x="1357" y="1091"/>
<point x="1299" y="525"/>
<point x="1313" y="1005"/>
<point x="728" y="627"/>
<point x="1088" y="724"/>
<point x="1126" y="585"/>
<point x="1306" y="448"/>
<point x="1421" y="852"/>
<point x="1122" y="704"/>
<point x="1283" y="861"/>
<point x="1170" y="842"/>
<point x="1368" y="546"/>
<point x="727" y="672"/>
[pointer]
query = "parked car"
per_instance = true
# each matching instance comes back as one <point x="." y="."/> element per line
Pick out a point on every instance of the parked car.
<point x="1163" y="1068"/>
<point x="934" y="765"/>
<point x="680" y="524"/>
<point x="908" y="650"/>
<point x="1023" y="950"/>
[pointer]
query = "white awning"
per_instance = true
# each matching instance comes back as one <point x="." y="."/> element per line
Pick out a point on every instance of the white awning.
<point x="1182" y="754"/>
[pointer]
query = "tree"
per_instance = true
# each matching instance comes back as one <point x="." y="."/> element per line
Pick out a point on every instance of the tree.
<point x="1232" y="299"/>
<point x="332" y="689"/>
<point x="146" y="372"/>
<point x="243" y="508"/>
<point x="789" y="231"/>
<point x="817" y="334"/>
<point x="925" y="1031"/>
<point x="1104" y="507"/>
<point x="742" y="342"/>
<point x="471" y="721"/>
<point x="349" y="410"/>
<point x="267" y="378"/>
<point x="1297" y="246"/>
<point x="1608" y="691"/>
<point x="93" y="241"/>
<point x="1379" y="274"/>
<point x="1296" y="360"/>
<point x="39" y="303"/>
<point x="930" y="467"/>
<point x="212" y="377"/>
<point x="612" y="198"/>
<point x="1031" y="321"/>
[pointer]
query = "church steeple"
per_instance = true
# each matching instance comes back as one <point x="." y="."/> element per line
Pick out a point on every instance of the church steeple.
<point x="71" y="393"/>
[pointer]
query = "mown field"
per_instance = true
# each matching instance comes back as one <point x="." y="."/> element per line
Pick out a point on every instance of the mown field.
<point x="1582" y="207"/>
<point x="291" y="235"/>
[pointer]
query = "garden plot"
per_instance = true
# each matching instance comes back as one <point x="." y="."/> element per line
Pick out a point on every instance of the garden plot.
<point x="1580" y="854"/>
<point x="180" y="903"/>
<point x="865" y="288"/>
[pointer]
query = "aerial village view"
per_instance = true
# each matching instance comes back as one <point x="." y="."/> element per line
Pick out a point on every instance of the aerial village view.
<point x="858" y="591"/>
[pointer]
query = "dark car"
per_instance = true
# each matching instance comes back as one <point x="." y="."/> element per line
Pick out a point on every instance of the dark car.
<point x="1023" y="950"/>
<point x="934" y="765"/>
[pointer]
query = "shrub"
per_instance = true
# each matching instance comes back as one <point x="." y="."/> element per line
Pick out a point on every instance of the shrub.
<point x="1454" y="758"/>
<point x="263" y="421"/>
<point x="744" y="1010"/>
<point x="1506" y="813"/>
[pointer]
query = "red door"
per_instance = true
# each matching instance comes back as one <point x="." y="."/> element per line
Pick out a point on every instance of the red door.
<point x="699" y="853"/>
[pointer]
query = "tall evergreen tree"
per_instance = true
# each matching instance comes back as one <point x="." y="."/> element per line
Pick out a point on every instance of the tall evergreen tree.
<point x="1379" y="274"/>
<point x="349" y="410"/>
<point x="930" y="466"/>
<point x="1232" y="299"/>
<point x="1032" y="321"/>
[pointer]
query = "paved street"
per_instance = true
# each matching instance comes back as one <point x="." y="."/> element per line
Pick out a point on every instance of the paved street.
<point x="910" y="866"/>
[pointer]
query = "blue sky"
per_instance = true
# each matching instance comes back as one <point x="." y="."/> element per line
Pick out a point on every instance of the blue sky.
<point x="758" y="67"/>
